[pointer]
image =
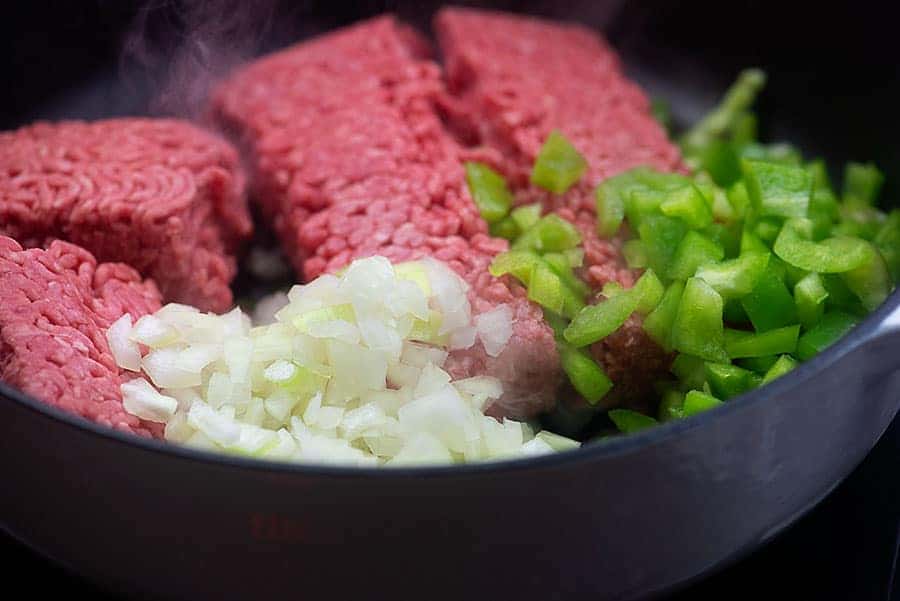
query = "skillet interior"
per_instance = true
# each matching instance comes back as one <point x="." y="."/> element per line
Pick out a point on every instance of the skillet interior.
<point x="833" y="89"/>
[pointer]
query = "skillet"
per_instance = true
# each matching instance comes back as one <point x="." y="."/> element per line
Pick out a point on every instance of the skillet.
<point x="622" y="518"/>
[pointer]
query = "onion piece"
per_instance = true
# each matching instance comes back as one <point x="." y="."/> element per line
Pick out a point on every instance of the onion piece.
<point x="126" y="353"/>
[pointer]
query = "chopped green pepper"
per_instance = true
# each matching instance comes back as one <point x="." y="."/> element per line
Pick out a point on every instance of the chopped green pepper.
<point x="526" y="216"/>
<point x="809" y="297"/>
<point x="649" y="291"/>
<point x="556" y="234"/>
<point x="887" y="240"/>
<point x="740" y="344"/>
<point x="558" y="164"/>
<point x="871" y="281"/>
<point x="628" y="421"/>
<point x="661" y="236"/>
<point x="658" y="324"/>
<point x="832" y="326"/>
<point x="759" y="365"/>
<point x="698" y="329"/>
<point x="505" y="228"/>
<point x="691" y="371"/>
<point x="596" y="322"/>
<point x="561" y="266"/>
<point x="694" y="250"/>
<point x="777" y="190"/>
<point x="697" y="402"/>
<point x="783" y="365"/>
<point x="670" y="405"/>
<point x="832" y="255"/>
<point x="726" y="380"/>
<point x="769" y="305"/>
<point x="518" y="263"/>
<point x="689" y="205"/>
<point x="635" y="254"/>
<point x="489" y="191"/>
<point x="736" y="277"/>
<point x="862" y="183"/>
<point x="546" y="288"/>
<point x="586" y="376"/>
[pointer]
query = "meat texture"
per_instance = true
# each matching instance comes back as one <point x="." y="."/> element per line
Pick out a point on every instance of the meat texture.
<point x="161" y="195"/>
<point x="350" y="159"/>
<point x="57" y="305"/>
<point x="512" y="80"/>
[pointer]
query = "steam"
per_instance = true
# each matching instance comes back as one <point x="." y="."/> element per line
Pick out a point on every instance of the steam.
<point x="176" y="50"/>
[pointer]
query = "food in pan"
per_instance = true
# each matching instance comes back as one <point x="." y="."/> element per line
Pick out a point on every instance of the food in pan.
<point x="513" y="238"/>
<point x="161" y="195"/>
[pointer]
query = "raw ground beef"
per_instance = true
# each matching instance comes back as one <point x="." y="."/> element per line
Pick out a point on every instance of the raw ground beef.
<point x="350" y="159"/>
<point x="57" y="305"/>
<point x="512" y="80"/>
<point x="161" y="195"/>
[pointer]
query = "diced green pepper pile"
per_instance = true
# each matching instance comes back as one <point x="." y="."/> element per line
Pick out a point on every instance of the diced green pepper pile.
<point x="751" y="265"/>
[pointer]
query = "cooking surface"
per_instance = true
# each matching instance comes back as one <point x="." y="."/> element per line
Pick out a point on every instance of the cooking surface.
<point x="846" y="548"/>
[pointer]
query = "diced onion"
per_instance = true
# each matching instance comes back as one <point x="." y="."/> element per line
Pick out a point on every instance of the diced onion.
<point x="346" y="369"/>
<point x="126" y="352"/>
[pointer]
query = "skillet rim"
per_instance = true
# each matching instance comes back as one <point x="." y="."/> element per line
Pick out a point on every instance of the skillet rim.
<point x="866" y="332"/>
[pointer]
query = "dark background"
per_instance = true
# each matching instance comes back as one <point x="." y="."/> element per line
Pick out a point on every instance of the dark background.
<point x="834" y="90"/>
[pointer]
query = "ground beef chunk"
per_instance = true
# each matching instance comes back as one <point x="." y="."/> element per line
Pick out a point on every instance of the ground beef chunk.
<point x="161" y="195"/>
<point x="350" y="159"/>
<point x="512" y="80"/>
<point x="57" y="305"/>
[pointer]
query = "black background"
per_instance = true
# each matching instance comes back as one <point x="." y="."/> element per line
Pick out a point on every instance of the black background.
<point x="834" y="89"/>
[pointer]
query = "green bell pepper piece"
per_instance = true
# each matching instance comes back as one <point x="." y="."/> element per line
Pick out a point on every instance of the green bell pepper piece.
<point x="596" y="322"/>
<point x="783" y="365"/>
<point x="661" y="236"/>
<point x="489" y="191"/>
<point x="628" y="421"/>
<point x="751" y="243"/>
<point x="767" y="228"/>
<point x="871" y="281"/>
<point x="518" y="263"/>
<point x="780" y="341"/>
<point x="586" y="376"/>
<point x="770" y="305"/>
<point x="809" y="297"/>
<point x="833" y="326"/>
<point x="727" y="381"/>
<point x="558" y="164"/>
<point x="887" y="240"/>
<point x="694" y="250"/>
<point x="546" y="288"/>
<point x="670" y="406"/>
<point x="635" y="254"/>
<point x="698" y="329"/>
<point x="556" y="234"/>
<point x="649" y="291"/>
<point x="739" y="199"/>
<point x="722" y="120"/>
<point x="690" y="371"/>
<point x="658" y="324"/>
<point x="832" y="255"/>
<point x="697" y="402"/>
<point x="689" y="205"/>
<point x="734" y="312"/>
<point x="862" y="183"/>
<point x="758" y="365"/>
<point x="505" y="228"/>
<point x="561" y="266"/>
<point x="777" y="190"/>
<point x="526" y="216"/>
<point x="736" y="277"/>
